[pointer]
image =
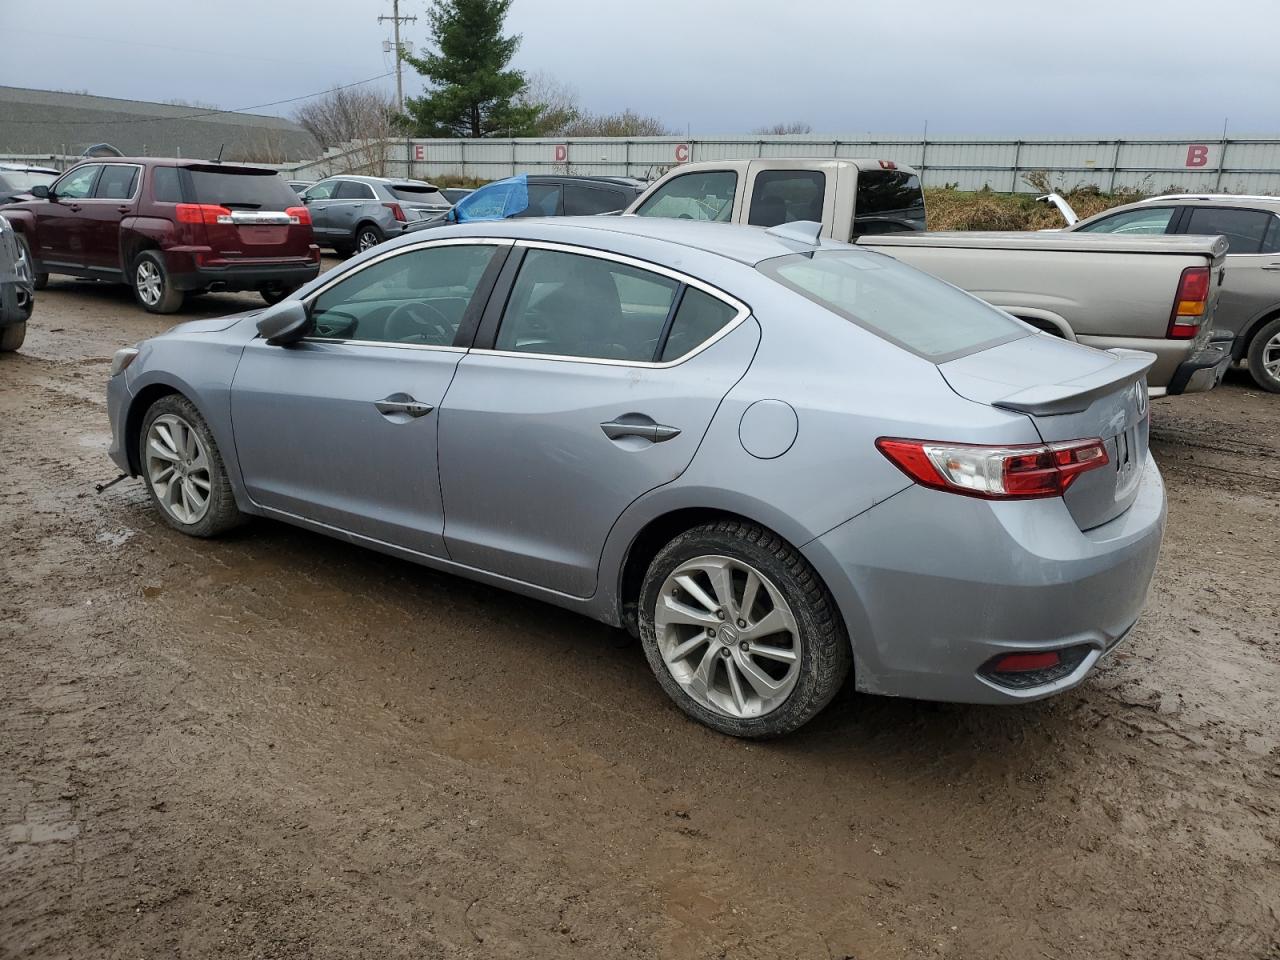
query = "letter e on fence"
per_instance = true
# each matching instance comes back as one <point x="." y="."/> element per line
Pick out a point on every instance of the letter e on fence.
<point x="1197" y="155"/>
<point x="562" y="152"/>
<point x="682" y="153"/>
<point x="419" y="152"/>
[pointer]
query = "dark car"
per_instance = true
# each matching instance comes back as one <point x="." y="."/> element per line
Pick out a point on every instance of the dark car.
<point x="168" y="228"/>
<point x="301" y="186"/>
<point x="542" y="195"/>
<point x="353" y="213"/>
<point x="17" y="290"/>
<point x="18" y="179"/>
<point x="454" y="194"/>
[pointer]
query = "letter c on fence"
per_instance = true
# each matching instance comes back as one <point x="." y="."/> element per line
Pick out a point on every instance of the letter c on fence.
<point x="1197" y="155"/>
<point x="419" y="152"/>
<point x="682" y="153"/>
<point x="562" y="152"/>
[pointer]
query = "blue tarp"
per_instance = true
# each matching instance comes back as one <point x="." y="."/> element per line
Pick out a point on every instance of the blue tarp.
<point x="494" y="201"/>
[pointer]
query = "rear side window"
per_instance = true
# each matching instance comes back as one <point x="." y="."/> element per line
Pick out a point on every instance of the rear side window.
<point x="117" y="182"/>
<point x="544" y="201"/>
<point x="589" y="201"/>
<point x="165" y="185"/>
<point x="903" y="305"/>
<point x="784" y="196"/>
<point x="1244" y="229"/>
<point x="694" y="196"/>
<point x="352" y="190"/>
<point x="1145" y="220"/>
<point x="888" y="201"/>
<point x="570" y="305"/>
<point x="699" y="317"/>
<point x="240" y="188"/>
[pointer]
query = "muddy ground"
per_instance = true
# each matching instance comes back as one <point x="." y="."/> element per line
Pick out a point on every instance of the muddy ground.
<point x="278" y="745"/>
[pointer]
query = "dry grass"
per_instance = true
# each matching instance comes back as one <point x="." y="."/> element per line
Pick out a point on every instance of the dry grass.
<point x="951" y="209"/>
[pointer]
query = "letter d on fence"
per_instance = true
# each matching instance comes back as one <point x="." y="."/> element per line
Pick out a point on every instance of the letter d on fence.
<point x="562" y="152"/>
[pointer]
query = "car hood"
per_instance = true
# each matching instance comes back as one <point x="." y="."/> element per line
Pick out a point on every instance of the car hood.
<point x="211" y="325"/>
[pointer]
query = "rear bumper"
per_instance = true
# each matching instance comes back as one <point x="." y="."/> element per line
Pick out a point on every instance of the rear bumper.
<point x="185" y="273"/>
<point x="932" y="586"/>
<point x="1205" y="369"/>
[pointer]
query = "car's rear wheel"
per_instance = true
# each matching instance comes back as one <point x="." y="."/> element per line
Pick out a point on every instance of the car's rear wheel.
<point x="368" y="236"/>
<point x="152" y="285"/>
<point x="40" y="280"/>
<point x="740" y="630"/>
<point x="183" y="469"/>
<point x="1264" y="356"/>
<point x="12" y="337"/>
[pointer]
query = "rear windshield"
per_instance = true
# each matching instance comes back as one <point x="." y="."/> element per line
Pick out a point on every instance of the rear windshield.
<point x="408" y="191"/>
<point x="21" y="181"/>
<point x="888" y="201"/>
<point x="903" y="305"/>
<point x="240" y="189"/>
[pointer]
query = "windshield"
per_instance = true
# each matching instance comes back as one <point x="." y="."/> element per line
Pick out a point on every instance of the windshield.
<point x="21" y="181"/>
<point x="240" y="189"/>
<point x="889" y="201"/>
<point x="903" y="305"/>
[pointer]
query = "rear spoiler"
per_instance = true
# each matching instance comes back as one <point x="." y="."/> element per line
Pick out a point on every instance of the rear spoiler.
<point x="1074" y="396"/>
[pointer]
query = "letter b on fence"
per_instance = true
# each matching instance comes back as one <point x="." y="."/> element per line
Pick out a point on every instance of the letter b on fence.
<point x="1197" y="155"/>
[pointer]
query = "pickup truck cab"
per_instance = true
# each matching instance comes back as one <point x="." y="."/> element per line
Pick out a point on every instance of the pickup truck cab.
<point x="849" y="197"/>
<point x="167" y="227"/>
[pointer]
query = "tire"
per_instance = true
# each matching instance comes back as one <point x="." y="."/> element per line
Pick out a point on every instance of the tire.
<point x="151" y="284"/>
<point x="1264" y="356"/>
<point x="343" y="249"/>
<point x="41" y="280"/>
<point x="12" y="337"/>
<point x="814" y="636"/>
<point x="367" y="237"/>
<point x="184" y="440"/>
<point x="277" y="292"/>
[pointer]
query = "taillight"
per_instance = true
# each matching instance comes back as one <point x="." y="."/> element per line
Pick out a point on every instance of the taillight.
<point x="396" y="212"/>
<point x="298" y="215"/>
<point x="201" y="213"/>
<point x="888" y="165"/>
<point x="995" y="473"/>
<point x="1189" y="305"/>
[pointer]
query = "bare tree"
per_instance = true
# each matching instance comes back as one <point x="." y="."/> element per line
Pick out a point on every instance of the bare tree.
<point x="358" y="120"/>
<point x="628" y="123"/>
<point x="784" y="129"/>
<point x="557" y="102"/>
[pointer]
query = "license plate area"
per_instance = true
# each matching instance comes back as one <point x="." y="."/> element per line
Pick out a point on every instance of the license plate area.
<point x="257" y="235"/>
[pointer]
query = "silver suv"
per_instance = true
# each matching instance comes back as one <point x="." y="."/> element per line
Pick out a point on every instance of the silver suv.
<point x="1249" y="302"/>
<point x="352" y="214"/>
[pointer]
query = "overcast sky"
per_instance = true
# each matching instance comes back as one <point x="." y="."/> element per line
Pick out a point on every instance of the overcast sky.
<point x="981" y="67"/>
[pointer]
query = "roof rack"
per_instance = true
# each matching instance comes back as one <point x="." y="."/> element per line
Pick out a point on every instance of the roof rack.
<point x="1208" y="196"/>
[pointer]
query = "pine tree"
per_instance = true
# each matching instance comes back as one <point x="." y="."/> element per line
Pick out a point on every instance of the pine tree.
<point x="472" y="93"/>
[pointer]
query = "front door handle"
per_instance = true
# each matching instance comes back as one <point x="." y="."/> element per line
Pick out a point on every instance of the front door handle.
<point x="402" y="404"/>
<point x="1272" y="266"/>
<point x="638" y="425"/>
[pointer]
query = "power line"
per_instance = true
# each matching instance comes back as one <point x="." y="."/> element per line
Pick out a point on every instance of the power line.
<point x="205" y="113"/>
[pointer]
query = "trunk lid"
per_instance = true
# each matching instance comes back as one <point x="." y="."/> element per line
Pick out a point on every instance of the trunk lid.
<point x="258" y="225"/>
<point x="1070" y="392"/>
<point x="420" y="201"/>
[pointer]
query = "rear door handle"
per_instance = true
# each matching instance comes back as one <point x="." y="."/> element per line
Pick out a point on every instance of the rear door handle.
<point x="73" y="207"/>
<point x="1272" y="266"/>
<point x="402" y="403"/>
<point x="638" y="425"/>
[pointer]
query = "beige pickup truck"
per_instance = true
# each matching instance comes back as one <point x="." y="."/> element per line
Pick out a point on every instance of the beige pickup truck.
<point x="1144" y="293"/>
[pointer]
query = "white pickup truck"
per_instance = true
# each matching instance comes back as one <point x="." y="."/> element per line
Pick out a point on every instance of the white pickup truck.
<point x="1143" y="293"/>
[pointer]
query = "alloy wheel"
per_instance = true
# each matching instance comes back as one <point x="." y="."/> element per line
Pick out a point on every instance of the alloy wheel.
<point x="149" y="282"/>
<point x="1271" y="357"/>
<point x="728" y="636"/>
<point x="366" y="240"/>
<point x="178" y="468"/>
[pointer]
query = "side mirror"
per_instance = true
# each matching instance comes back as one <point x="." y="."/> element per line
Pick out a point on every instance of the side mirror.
<point x="42" y="192"/>
<point x="285" y="323"/>
<point x="304" y="198"/>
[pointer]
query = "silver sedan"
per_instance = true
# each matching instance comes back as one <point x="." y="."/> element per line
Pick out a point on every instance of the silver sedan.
<point x="775" y="461"/>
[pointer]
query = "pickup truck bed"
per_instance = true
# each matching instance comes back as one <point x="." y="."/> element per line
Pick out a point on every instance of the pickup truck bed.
<point x="1102" y="290"/>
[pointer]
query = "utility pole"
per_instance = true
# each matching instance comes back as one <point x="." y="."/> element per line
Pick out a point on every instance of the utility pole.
<point x="396" y="20"/>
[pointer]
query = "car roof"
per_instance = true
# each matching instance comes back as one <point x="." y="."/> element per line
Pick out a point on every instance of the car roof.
<point x="583" y="178"/>
<point x="27" y="168"/>
<point x="1211" y="198"/>
<point x="389" y="181"/>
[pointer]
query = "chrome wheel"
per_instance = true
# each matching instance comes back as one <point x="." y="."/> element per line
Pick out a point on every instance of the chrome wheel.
<point x="1271" y="357"/>
<point x="728" y="636"/>
<point x="178" y="468"/>
<point x="366" y="240"/>
<point x="149" y="282"/>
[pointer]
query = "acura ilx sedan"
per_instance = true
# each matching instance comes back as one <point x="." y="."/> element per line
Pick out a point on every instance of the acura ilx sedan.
<point x="774" y="460"/>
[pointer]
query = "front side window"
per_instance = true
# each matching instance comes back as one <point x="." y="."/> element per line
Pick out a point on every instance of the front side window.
<point x="1146" y="220"/>
<point x="572" y="305"/>
<point x="78" y="184"/>
<point x="415" y="298"/>
<point x="353" y="190"/>
<point x="1245" y="230"/>
<point x="544" y="201"/>
<point x="117" y="182"/>
<point x="694" y="196"/>
<point x="322" y="190"/>
<point x="784" y="196"/>
<point x="903" y="305"/>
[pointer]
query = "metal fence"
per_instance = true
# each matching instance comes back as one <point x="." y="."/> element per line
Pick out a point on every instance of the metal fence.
<point x="1156" y="164"/>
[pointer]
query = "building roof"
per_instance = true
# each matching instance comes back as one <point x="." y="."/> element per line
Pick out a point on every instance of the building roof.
<point x="49" y="122"/>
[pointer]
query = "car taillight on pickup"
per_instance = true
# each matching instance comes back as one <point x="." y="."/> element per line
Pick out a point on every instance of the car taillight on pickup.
<point x="1015" y="472"/>
<point x="1190" y="304"/>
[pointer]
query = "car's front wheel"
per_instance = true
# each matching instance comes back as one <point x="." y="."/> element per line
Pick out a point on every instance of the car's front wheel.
<point x="39" y="280"/>
<point x="740" y="630"/>
<point x="152" y="285"/>
<point x="12" y="337"/>
<point x="184" y="471"/>
<point x="1264" y="356"/>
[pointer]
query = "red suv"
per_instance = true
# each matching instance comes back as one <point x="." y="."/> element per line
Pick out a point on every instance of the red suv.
<point x="168" y="228"/>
